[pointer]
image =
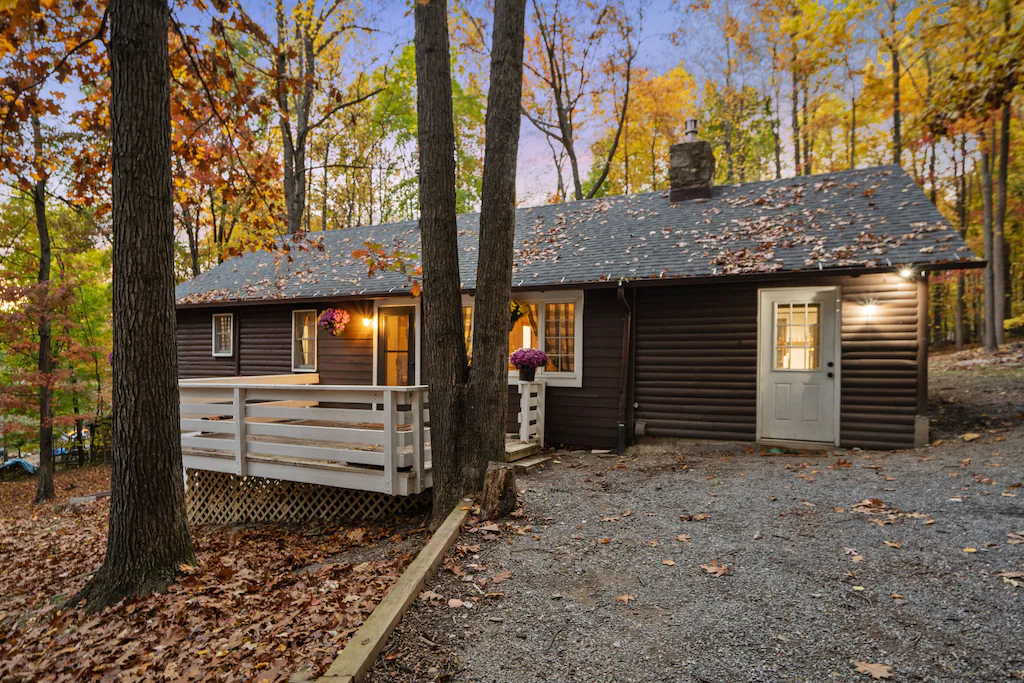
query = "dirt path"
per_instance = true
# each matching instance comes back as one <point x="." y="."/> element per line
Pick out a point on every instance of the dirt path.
<point x="607" y="584"/>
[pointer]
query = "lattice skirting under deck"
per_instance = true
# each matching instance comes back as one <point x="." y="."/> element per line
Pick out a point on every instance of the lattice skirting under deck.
<point x="217" y="498"/>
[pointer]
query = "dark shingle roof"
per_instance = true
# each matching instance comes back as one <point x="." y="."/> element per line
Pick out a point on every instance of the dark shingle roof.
<point x="851" y="219"/>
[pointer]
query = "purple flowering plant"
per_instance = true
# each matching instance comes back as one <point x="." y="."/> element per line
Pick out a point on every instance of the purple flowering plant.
<point x="528" y="358"/>
<point x="334" y="320"/>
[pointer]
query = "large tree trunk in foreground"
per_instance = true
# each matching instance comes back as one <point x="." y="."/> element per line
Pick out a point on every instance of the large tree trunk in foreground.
<point x="497" y="233"/>
<point x="44" y="484"/>
<point x="149" y="536"/>
<point x="444" y="347"/>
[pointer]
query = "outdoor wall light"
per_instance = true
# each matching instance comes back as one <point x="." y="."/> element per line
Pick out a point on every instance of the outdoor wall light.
<point x="906" y="273"/>
<point x="367" y="322"/>
<point x="870" y="310"/>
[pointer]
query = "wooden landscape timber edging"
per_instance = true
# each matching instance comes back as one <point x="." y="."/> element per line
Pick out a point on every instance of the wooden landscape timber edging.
<point x="358" y="656"/>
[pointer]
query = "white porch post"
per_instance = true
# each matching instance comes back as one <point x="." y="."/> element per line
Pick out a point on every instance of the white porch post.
<point x="390" y="441"/>
<point x="541" y="387"/>
<point x="418" y="447"/>
<point x="524" y="411"/>
<point x="241" y="466"/>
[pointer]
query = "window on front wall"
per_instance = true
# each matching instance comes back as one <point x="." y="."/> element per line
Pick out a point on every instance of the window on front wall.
<point x="524" y="334"/>
<point x="797" y="336"/>
<point x="304" y="341"/>
<point x="223" y="329"/>
<point x="467" y="329"/>
<point x="560" y="336"/>
<point x="551" y="322"/>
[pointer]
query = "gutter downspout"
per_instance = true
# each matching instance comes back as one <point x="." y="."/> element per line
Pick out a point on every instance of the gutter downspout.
<point x="627" y="323"/>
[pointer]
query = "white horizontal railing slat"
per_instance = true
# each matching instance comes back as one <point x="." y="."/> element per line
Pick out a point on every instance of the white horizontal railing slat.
<point x="333" y="434"/>
<point x="269" y="435"/>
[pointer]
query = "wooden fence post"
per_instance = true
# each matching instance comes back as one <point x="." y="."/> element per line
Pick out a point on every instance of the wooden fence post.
<point x="241" y="465"/>
<point x="524" y="411"/>
<point x="418" y="446"/>
<point x="390" y="441"/>
<point x="541" y="386"/>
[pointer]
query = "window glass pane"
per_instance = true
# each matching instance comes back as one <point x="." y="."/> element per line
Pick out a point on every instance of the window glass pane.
<point x="560" y="337"/>
<point x="797" y="336"/>
<point x="222" y="334"/>
<point x="524" y="332"/>
<point x="397" y="368"/>
<point x="305" y="340"/>
<point x="798" y="315"/>
<point x="467" y="329"/>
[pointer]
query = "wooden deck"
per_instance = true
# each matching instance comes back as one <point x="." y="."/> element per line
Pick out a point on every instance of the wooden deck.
<point x="289" y="427"/>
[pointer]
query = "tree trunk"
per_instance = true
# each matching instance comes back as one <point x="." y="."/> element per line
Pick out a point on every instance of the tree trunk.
<point x="806" y="132"/>
<point x="293" y="215"/>
<point x="961" y="209"/>
<point x="794" y="99"/>
<point x="499" y="496"/>
<point x="894" y="54"/>
<point x="444" y="346"/>
<point x="853" y="132"/>
<point x="989" y="334"/>
<point x="489" y="373"/>
<point x="998" y="231"/>
<point x="148" y="538"/>
<point x="44" y="484"/>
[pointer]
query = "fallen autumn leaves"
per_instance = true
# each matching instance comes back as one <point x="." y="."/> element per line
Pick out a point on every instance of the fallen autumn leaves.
<point x="262" y="602"/>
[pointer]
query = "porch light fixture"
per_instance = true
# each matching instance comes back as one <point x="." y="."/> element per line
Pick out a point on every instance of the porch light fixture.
<point x="906" y="273"/>
<point x="870" y="310"/>
<point x="367" y="322"/>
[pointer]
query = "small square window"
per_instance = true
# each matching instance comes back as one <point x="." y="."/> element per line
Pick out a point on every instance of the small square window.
<point x="223" y="334"/>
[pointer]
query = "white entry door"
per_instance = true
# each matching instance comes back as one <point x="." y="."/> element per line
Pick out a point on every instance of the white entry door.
<point x="798" y="364"/>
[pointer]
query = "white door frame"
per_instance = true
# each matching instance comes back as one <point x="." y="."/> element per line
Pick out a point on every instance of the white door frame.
<point x="838" y="290"/>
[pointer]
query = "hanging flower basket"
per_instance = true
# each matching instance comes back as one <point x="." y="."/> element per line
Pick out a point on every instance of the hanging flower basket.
<point x="527" y="361"/>
<point x="334" y="320"/>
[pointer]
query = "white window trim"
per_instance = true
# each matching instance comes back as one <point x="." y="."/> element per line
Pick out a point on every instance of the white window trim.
<point x="231" y="341"/>
<point x="316" y="339"/>
<point x="399" y="302"/>
<point x="553" y="379"/>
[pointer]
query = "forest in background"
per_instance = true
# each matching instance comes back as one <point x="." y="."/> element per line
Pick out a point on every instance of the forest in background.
<point x="299" y="117"/>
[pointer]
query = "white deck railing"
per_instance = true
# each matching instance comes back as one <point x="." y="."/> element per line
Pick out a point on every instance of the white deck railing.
<point x="531" y="412"/>
<point x="371" y="438"/>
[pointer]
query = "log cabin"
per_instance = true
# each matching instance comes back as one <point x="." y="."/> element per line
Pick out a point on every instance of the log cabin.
<point x="788" y="311"/>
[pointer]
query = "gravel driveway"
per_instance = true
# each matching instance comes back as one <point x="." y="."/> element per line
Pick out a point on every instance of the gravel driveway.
<point x="607" y="581"/>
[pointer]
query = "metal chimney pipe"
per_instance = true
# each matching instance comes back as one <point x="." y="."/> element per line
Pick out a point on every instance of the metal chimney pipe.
<point x="690" y="130"/>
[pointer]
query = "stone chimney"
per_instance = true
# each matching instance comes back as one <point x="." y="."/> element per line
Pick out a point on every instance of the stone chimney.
<point x="691" y="169"/>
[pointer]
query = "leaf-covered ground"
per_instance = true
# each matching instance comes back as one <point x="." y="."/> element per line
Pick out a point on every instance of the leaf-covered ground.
<point x="263" y="602"/>
<point x="712" y="562"/>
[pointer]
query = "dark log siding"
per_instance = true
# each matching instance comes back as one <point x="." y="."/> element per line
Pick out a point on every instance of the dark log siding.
<point x="879" y="363"/>
<point x="265" y="340"/>
<point x="347" y="358"/>
<point x="195" y="345"/>
<point x="587" y="415"/>
<point x="696" y="360"/>
<point x="263" y="344"/>
<point x="694" y="371"/>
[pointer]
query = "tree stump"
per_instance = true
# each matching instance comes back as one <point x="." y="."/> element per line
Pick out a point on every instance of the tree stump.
<point x="499" y="497"/>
